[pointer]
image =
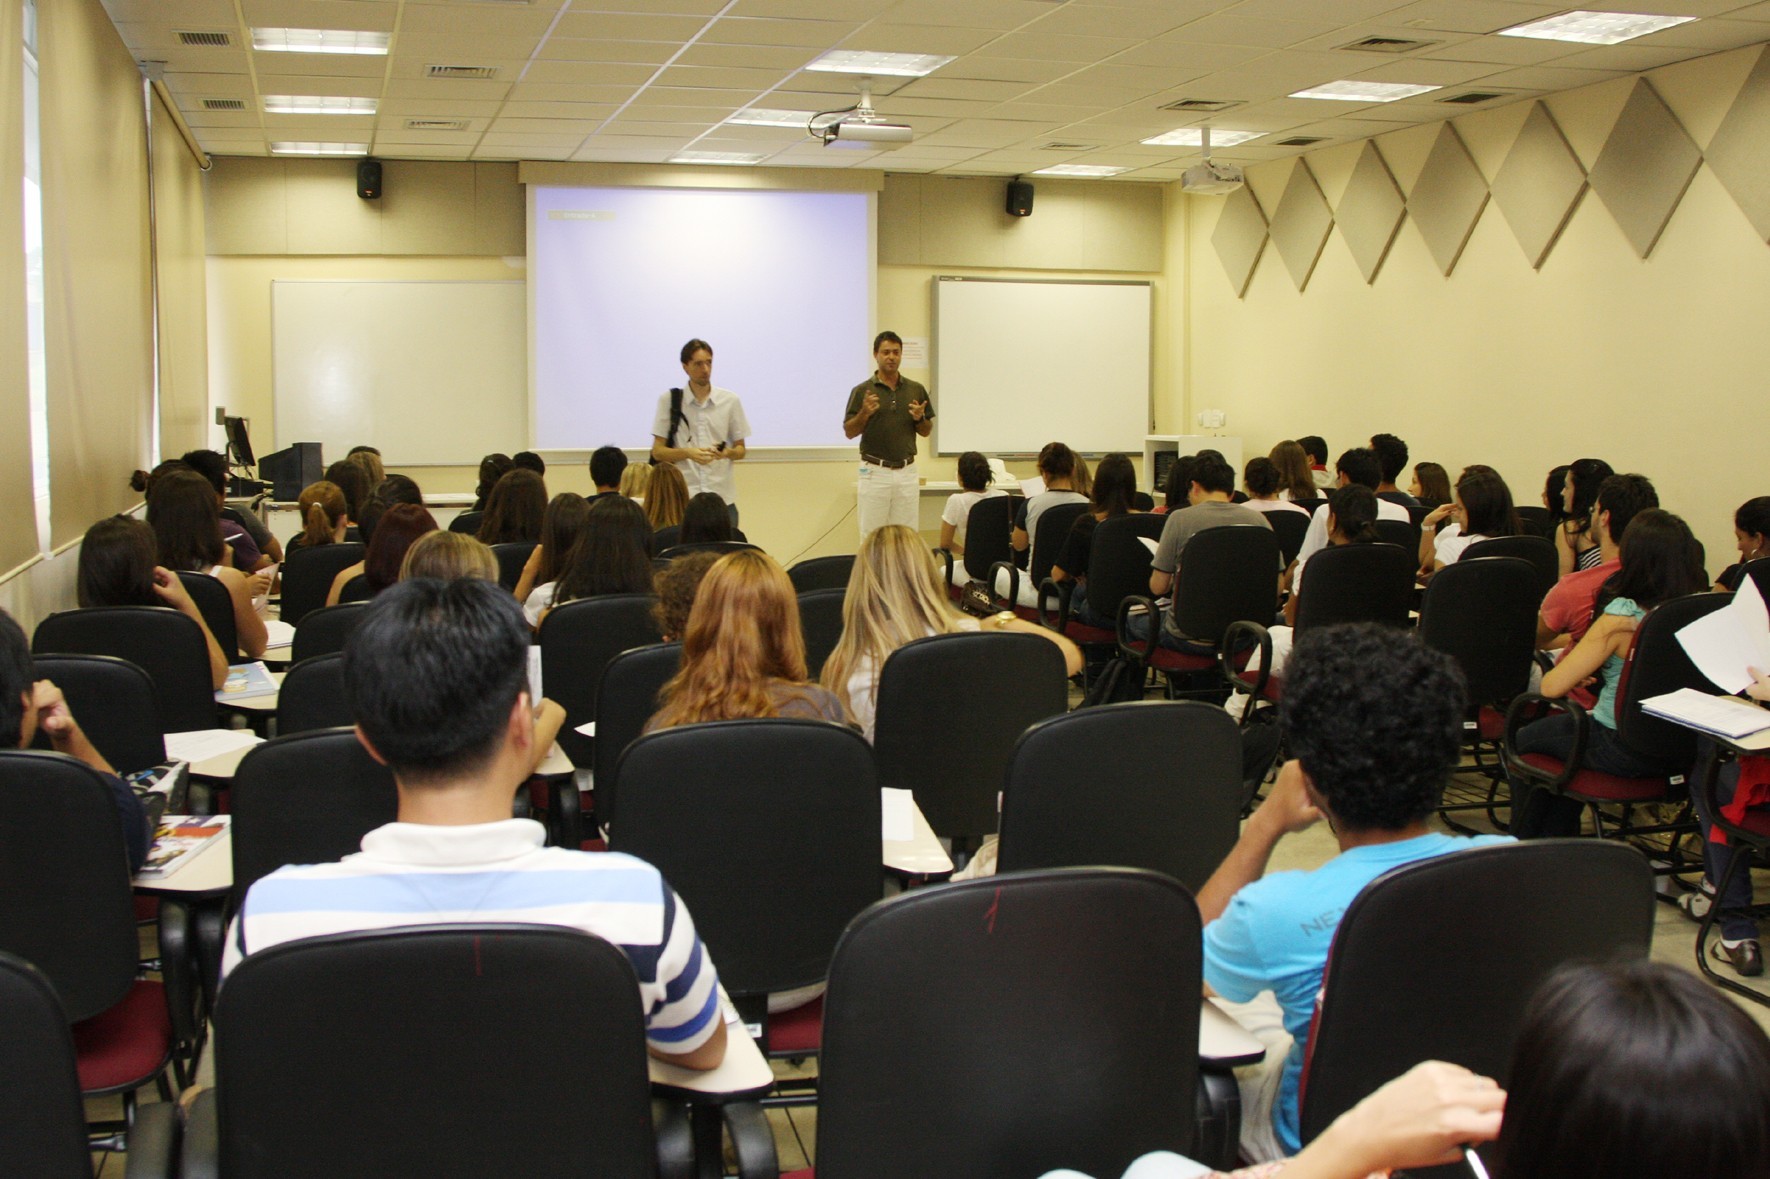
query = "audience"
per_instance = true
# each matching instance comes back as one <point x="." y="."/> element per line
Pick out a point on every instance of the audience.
<point x="447" y="556"/>
<point x="1739" y="945"/>
<point x="1114" y="485"/>
<point x="894" y="597"/>
<point x="561" y="525"/>
<point x="1431" y="485"/>
<point x="368" y="461"/>
<point x="239" y="550"/>
<point x="395" y="530"/>
<point x="1058" y="468"/>
<point x="119" y="567"/>
<point x="1359" y="466"/>
<point x="182" y="510"/>
<point x="1555" y="493"/>
<point x="393" y="490"/>
<point x="1317" y="451"/>
<point x="325" y="516"/>
<point x="513" y="513"/>
<point x="607" y="464"/>
<point x="1178" y="484"/>
<point x="1481" y="510"/>
<point x="1391" y="455"/>
<point x="707" y="520"/>
<point x="1296" y="480"/>
<point x="212" y="465"/>
<point x="1575" y="541"/>
<point x="676" y="584"/>
<point x="1751" y="529"/>
<point x="1567" y="610"/>
<point x="492" y="468"/>
<point x="975" y="479"/>
<point x="1209" y="507"/>
<point x="528" y="460"/>
<point x="1261" y="479"/>
<point x="635" y="480"/>
<point x="348" y="477"/>
<point x="666" y="498"/>
<point x="608" y="557"/>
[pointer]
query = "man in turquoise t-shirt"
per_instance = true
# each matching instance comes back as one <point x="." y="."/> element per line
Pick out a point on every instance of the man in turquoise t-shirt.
<point x="1373" y="719"/>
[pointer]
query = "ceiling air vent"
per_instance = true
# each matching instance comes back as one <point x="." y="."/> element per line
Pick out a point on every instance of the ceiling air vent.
<point x="1060" y="145"/>
<point x="1202" y="104"/>
<point x="460" y="71"/>
<point x="206" y="40"/>
<point x="1386" y="45"/>
<point x="1300" y="140"/>
<point x="436" y="124"/>
<point x="1471" y="97"/>
<point x="224" y="104"/>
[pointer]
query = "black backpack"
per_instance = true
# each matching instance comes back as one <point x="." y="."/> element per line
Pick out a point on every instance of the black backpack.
<point x="676" y="418"/>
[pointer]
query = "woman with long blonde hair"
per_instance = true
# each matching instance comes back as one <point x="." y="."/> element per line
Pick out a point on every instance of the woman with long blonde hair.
<point x="743" y="654"/>
<point x="894" y="597"/>
<point x="666" y="498"/>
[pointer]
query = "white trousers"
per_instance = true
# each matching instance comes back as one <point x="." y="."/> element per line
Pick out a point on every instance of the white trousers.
<point x="886" y="497"/>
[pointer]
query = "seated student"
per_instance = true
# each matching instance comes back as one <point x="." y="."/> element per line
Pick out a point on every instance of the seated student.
<point x="528" y="460"/>
<point x="118" y="568"/>
<point x="394" y="531"/>
<point x="561" y="525"/>
<point x="349" y="478"/>
<point x="212" y="465"/>
<point x="1178" y="485"/>
<point x="239" y="550"/>
<point x="1296" y="480"/>
<point x="1358" y="466"/>
<point x="666" y="499"/>
<point x="446" y="556"/>
<point x="369" y="459"/>
<point x="182" y="510"/>
<point x="1567" y="610"/>
<point x="1751" y="528"/>
<point x="743" y="654"/>
<point x="676" y="584"/>
<point x="1372" y="761"/>
<point x="1261" y="479"/>
<point x="1391" y="455"/>
<point x="391" y="491"/>
<point x="701" y="522"/>
<point x="1209" y="507"/>
<point x="1316" y="449"/>
<point x="608" y="557"/>
<point x="1059" y="468"/>
<point x="634" y="481"/>
<point x="437" y="675"/>
<point x="975" y="479"/>
<point x="28" y="704"/>
<point x="1431" y="485"/>
<point x="1114" y="485"/>
<point x="325" y="516"/>
<point x="894" y="598"/>
<point x="514" y="510"/>
<point x="492" y="468"/>
<point x="607" y="464"/>
<point x="1481" y="510"/>
<point x="1575" y="541"/>
<point x="1661" y="560"/>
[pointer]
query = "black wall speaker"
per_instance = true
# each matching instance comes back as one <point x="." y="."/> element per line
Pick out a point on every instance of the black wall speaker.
<point x="368" y="179"/>
<point x="1020" y="198"/>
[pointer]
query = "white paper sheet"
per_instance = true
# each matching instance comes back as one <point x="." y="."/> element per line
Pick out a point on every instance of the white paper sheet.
<point x="1149" y="544"/>
<point x="1727" y="716"/>
<point x="535" y="693"/>
<point x="897" y="814"/>
<point x="588" y="728"/>
<point x="1728" y="643"/>
<point x="1033" y="486"/>
<point x="281" y="633"/>
<point x="203" y="744"/>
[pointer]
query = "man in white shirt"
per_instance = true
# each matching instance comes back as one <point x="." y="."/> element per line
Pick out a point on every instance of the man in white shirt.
<point x="1359" y="465"/>
<point x="701" y="428"/>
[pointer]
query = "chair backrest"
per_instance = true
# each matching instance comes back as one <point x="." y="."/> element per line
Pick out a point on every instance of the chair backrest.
<point x="1483" y="613"/>
<point x="577" y="641"/>
<point x="114" y="702"/>
<point x="1227" y="575"/>
<point x="626" y="699"/>
<point x="324" y="631"/>
<point x="467" y="522"/>
<point x="949" y="710"/>
<point x="1656" y="665"/>
<point x="42" y="1118"/>
<point x="1538" y="552"/>
<point x="312" y="696"/>
<point x="1759" y="572"/>
<point x="512" y="556"/>
<point x="308" y="573"/>
<point x="161" y="641"/>
<point x="424" y="1050"/>
<point x="308" y="798"/>
<point x="1118" y="560"/>
<point x="774" y="852"/>
<point x="707" y="546"/>
<point x="1150" y="784"/>
<point x="1047" y="542"/>
<point x="65" y="900"/>
<point x="216" y="606"/>
<point x="356" y="590"/>
<point x="821" y="573"/>
<point x="1357" y="583"/>
<point x="987" y="541"/>
<point x="1399" y="990"/>
<point x="1399" y="532"/>
<point x="1537" y="521"/>
<point x="1003" y="1027"/>
<point x="1290" y="528"/>
<point x="820" y="621"/>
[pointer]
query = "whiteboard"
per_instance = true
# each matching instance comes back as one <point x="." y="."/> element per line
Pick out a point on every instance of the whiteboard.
<point x="1019" y="363"/>
<point x="432" y="373"/>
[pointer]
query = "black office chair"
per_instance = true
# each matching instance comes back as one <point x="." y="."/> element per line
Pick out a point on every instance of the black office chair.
<point x="308" y="798"/>
<point x="1227" y="575"/>
<point x="1045" y="547"/>
<point x="511" y="559"/>
<point x="114" y="702"/>
<point x="949" y="710"/>
<point x="42" y="1118"/>
<point x="467" y="522"/>
<point x="426" y="1050"/>
<point x="625" y="701"/>
<point x="774" y="854"/>
<point x="356" y="590"/>
<point x="1534" y="549"/>
<point x="1003" y="1027"/>
<point x="820" y="621"/>
<point x="325" y="631"/>
<point x="1118" y="568"/>
<point x="1398" y="991"/>
<point x="1537" y="521"/>
<point x="1290" y="528"/>
<point x="216" y="606"/>
<point x="821" y="573"/>
<point x="308" y="573"/>
<point x="1153" y="784"/>
<point x="162" y="642"/>
<point x="1399" y="532"/>
<point x="987" y="540"/>
<point x="313" y="696"/>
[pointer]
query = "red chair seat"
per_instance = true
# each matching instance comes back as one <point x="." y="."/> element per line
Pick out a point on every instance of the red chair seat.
<point x="595" y="845"/>
<point x="1163" y="659"/>
<point x="1081" y="632"/>
<point x="1490" y="723"/>
<point x="1757" y="821"/>
<point x="799" y="1032"/>
<point x="1601" y="787"/>
<point x="127" y="1045"/>
<point x="808" y="1173"/>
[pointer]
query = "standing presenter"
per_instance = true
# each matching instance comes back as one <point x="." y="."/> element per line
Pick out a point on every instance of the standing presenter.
<point x="887" y="412"/>
<point x="701" y="428"/>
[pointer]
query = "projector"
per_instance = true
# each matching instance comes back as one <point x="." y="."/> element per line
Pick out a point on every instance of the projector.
<point x="855" y="133"/>
<point x="1211" y="178"/>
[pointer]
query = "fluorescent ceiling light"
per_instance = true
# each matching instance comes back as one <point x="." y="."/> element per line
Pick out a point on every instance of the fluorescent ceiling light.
<point x="716" y="157"/>
<point x="317" y="104"/>
<point x="862" y="61"/>
<point x="758" y="116"/>
<point x="305" y="148"/>
<point x="1089" y="170"/>
<point x="1194" y="137"/>
<point x="320" y="41"/>
<point x="1355" y="91"/>
<point x="1595" y="28"/>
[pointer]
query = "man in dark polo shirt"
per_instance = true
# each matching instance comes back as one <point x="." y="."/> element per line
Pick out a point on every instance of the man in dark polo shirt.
<point x="886" y="412"/>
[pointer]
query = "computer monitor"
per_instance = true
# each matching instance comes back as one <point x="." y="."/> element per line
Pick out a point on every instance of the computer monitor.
<point x="288" y="471"/>
<point x="238" y="442"/>
<point x="1164" y="461"/>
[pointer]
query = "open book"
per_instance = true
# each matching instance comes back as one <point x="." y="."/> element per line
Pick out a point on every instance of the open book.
<point x="1723" y="716"/>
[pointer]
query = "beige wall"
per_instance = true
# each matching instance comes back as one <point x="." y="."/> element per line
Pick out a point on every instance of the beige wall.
<point x="1657" y="366"/>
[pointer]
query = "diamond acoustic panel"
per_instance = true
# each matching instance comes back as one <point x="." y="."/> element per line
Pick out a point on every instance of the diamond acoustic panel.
<point x="1370" y="212"/>
<point x="1240" y="237"/>
<point x="1302" y="223"/>
<point x="1737" y="154"/>
<point x="1644" y="168"/>
<point x="1539" y="185"/>
<point x="1447" y="198"/>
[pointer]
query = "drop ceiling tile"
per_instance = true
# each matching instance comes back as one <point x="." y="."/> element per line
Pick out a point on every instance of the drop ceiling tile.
<point x="1056" y="47"/>
<point x="1430" y="39"/>
<point x="1708" y="34"/>
<point x="949" y="108"/>
<point x="1424" y="72"/>
<point x="589" y="50"/>
<point x="653" y="128"/>
<point x="451" y="45"/>
<point x="558" y="110"/>
<point x="1757" y="12"/>
<point x="351" y="128"/>
<point x="938" y="86"/>
<point x="404" y="138"/>
<point x="445" y="88"/>
<point x="1097" y="20"/>
<point x="1240" y="238"/>
<point x="161" y="35"/>
<point x="1137" y="79"/>
<point x="1347" y="11"/>
<point x="628" y="26"/>
<point x="1370" y="211"/>
<point x="751" y="31"/>
<point x="1301" y="224"/>
<point x="319" y="14"/>
<point x="496" y="139"/>
<point x="761" y="57"/>
<point x="1736" y="154"/>
<point x="1447" y="198"/>
<point x="653" y="96"/>
<point x="970" y="14"/>
<point x="218" y="61"/>
<point x="1081" y="100"/>
<point x="210" y="86"/>
<point x="1539" y="185"/>
<point x="1007" y="69"/>
<point x="577" y="127"/>
<point x="1177" y="52"/>
<point x="1230" y="28"/>
<point x="345" y="87"/>
<point x="948" y="42"/>
<point x="1467" y="16"/>
<point x="430" y="108"/>
<point x="1647" y="163"/>
<point x="1509" y="51"/>
<point x="720" y="77"/>
<point x="650" y="7"/>
<point x="493" y="20"/>
<point x="799" y="9"/>
<point x="636" y="143"/>
<point x="508" y="70"/>
<point x="199" y="117"/>
<point x="219" y="12"/>
<point x="337" y="65"/>
<point x="1548" y="78"/>
<point x="232" y="147"/>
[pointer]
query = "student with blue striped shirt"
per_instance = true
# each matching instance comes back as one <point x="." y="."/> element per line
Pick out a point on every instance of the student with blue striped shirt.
<point x="437" y="679"/>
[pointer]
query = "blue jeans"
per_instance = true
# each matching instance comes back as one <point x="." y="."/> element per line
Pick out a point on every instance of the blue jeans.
<point x="1735" y="904"/>
<point x="1543" y="814"/>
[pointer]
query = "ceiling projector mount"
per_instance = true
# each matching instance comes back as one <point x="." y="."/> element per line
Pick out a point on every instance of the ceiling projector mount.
<point x="861" y="126"/>
<point x="1210" y="178"/>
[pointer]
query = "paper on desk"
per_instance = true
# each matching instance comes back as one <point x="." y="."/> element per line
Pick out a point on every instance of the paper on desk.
<point x="898" y="815"/>
<point x="588" y="728"/>
<point x="1726" y="716"/>
<point x="203" y="744"/>
<point x="535" y="693"/>
<point x="1033" y="486"/>
<point x="280" y="633"/>
<point x="1149" y="544"/>
<point x="1727" y="643"/>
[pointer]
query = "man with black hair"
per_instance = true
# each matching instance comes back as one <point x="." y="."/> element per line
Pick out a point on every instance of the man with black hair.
<point x="29" y="705"/>
<point x="528" y="460"/>
<point x="1316" y="448"/>
<point x="437" y="677"/>
<point x="606" y="465"/>
<point x="1567" y="610"/>
<point x="1358" y="465"/>
<point x="1370" y="760"/>
<point x="1391" y="455"/>
<point x="1212" y="480"/>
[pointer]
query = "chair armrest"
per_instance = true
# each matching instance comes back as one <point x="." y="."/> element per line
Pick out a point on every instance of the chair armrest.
<point x="565" y="811"/>
<point x="1013" y="582"/>
<point x="1518" y="714"/>
<point x="1226" y="660"/>
<point x="946" y="559"/>
<point x="1138" y="657"/>
<point x="179" y="972"/>
<point x="1063" y="591"/>
<point x="1219" y="1119"/>
<point x="752" y="1140"/>
<point x="675" y="1139"/>
<point x="200" y="1157"/>
<point x="153" y="1142"/>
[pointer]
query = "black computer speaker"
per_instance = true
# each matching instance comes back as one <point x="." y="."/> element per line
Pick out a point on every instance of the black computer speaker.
<point x="1020" y="198"/>
<point x="368" y="179"/>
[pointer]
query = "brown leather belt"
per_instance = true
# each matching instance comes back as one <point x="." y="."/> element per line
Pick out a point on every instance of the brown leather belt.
<point x="888" y="464"/>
